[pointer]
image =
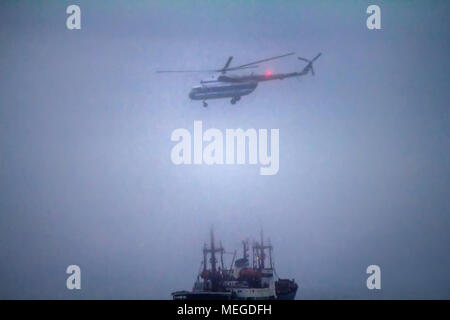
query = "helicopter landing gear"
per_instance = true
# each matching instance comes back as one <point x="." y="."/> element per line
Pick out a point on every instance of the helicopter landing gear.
<point x="205" y="104"/>
<point x="235" y="99"/>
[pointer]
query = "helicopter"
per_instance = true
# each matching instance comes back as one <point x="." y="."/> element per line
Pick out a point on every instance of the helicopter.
<point x="236" y="86"/>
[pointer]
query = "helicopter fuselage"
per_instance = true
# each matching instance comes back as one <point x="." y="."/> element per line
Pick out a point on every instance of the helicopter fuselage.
<point x="234" y="86"/>
<point x="215" y="89"/>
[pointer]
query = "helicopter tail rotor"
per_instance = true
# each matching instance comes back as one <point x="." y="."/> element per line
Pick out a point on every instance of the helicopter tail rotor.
<point x="309" y="66"/>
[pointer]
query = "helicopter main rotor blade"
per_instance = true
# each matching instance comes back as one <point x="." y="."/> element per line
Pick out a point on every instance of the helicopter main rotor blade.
<point x="250" y="65"/>
<point x="210" y="71"/>
<point x="227" y="64"/>
<point x="238" y="68"/>
<point x="182" y="71"/>
<point x="263" y="60"/>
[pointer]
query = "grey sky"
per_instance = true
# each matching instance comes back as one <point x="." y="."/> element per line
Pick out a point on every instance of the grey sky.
<point x="85" y="125"/>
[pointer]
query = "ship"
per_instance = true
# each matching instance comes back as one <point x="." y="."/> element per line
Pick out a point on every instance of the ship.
<point x="243" y="280"/>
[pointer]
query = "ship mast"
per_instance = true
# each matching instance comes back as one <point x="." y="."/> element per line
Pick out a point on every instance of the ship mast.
<point x="270" y="254"/>
<point x="259" y="255"/>
<point x="262" y="251"/>
<point x="205" y="260"/>
<point x="213" y="250"/>
<point x="245" y="249"/>
<point x="214" y="275"/>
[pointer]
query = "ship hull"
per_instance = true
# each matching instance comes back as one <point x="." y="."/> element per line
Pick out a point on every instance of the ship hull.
<point x="287" y="296"/>
<point x="186" y="295"/>
<point x="189" y="295"/>
<point x="286" y="289"/>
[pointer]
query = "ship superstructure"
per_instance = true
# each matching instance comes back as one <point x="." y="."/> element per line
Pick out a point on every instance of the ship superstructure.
<point x="242" y="280"/>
